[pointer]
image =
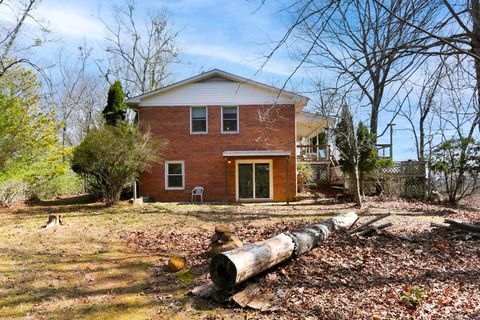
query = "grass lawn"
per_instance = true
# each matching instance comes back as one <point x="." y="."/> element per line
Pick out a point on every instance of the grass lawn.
<point x="86" y="269"/>
<point x="83" y="269"/>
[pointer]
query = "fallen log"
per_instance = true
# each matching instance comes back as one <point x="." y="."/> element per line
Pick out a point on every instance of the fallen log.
<point x="439" y="225"/>
<point x="232" y="267"/>
<point x="463" y="226"/>
<point x="399" y="236"/>
<point x="368" y="223"/>
<point x="353" y="224"/>
<point x="372" y="230"/>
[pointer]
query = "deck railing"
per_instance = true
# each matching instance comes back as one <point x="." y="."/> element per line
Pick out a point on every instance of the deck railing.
<point x="384" y="150"/>
<point x="313" y="153"/>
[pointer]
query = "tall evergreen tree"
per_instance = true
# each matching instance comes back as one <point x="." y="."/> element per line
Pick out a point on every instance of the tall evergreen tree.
<point x="368" y="160"/>
<point x="368" y="153"/>
<point x="346" y="141"/>
<point x="116" y="110"/>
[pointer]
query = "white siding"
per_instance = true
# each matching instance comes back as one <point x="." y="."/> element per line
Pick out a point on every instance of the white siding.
<point x="215" y="79"/>
<point x="214" y="93"/>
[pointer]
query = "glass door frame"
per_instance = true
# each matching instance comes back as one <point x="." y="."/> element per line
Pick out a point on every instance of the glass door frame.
<point x="253" y="162"/>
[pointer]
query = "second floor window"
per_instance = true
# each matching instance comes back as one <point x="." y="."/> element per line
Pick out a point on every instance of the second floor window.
<point x="198" y="123"/>
<point x="229" y="119"/>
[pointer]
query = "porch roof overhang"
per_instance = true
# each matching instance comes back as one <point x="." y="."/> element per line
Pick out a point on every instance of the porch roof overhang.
<point x="256" y="153"/>
<point x="310" y="124"/>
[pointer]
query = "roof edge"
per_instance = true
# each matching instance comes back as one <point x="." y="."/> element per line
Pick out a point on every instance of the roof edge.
<point x="216" y="72"/>
<point x="257" y="153"/>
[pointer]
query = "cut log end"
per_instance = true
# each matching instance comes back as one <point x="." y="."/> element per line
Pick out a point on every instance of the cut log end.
<point x="223" y="271"/>
<point x="53" y="220"/>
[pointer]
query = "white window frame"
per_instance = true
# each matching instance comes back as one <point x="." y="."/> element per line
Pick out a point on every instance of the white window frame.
<point x="183" y="174"/>
<point x="238" y="120"/>
<point x="253" y="162"/>
<point x="206" y="120"/>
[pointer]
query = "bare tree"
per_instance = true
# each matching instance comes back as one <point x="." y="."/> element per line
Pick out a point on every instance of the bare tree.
<point x="364" y="46"/>
<point x="20" y="11"/>
<point x="457" y="109"/>
<point x="455" y="154"/>
<point x="139" y="53"/>
<point x="88" y="115"/>
<point x="327" y="101"/>
<point x="455" y="31"/>
<point x="76" y="95"/>
<point x="419" y="112"/>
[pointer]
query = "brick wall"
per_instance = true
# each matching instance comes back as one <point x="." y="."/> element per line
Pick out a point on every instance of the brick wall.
<point x="203" y="154"/>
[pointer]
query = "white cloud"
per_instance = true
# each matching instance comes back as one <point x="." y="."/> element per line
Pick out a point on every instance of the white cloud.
<point x="66" y="21"/>
<point x="71" y="21"/>
<point x="238" y="56"/>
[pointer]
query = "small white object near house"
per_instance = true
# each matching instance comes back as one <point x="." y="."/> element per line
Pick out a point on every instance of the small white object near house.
<point x="197" y="191"/>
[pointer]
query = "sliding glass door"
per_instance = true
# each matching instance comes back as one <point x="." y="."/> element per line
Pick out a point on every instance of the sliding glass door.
<point x="254" y="180"/>
<point x="245" y="181"/>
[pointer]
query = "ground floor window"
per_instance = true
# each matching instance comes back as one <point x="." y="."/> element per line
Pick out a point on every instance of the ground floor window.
<point x="174" y="175"/>
<point x="254" y="179"/>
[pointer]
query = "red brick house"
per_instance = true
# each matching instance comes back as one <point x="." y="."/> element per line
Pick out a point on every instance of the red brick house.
<point x="235" y="137"/>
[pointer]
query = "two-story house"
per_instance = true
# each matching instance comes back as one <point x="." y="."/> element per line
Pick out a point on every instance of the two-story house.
<point x="235" y="137"/>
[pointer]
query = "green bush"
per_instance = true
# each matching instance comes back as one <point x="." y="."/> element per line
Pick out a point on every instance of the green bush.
<point x="385" y="163"/>
<point x="30" y="152"/>
<point x="12" y="190"/>
<point x="68" y="183"/>
<point x="457" y="163"/>
<point x="112" y="157"/>
<point x="305" y="174"/>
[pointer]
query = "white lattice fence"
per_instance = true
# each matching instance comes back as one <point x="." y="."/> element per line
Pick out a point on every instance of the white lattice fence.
<point x="320" y="173"/>
<point x="405" y="179"/>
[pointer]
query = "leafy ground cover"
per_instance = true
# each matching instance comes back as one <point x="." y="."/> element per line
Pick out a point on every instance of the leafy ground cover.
<point x="109" y="263"/>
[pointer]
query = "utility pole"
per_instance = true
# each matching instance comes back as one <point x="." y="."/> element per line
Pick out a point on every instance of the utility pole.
<point x="391" y="139"/>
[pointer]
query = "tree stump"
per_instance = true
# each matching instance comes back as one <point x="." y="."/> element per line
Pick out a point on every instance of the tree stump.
<point x="223" y="240"/>
<point x="53" y="220"/>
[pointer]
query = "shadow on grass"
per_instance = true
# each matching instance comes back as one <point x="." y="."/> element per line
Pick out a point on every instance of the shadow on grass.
<point x="247" y="218"/>
<point x="37" y="279"/>
<point x="72" y="200"/>
<point x="33" y="210"/>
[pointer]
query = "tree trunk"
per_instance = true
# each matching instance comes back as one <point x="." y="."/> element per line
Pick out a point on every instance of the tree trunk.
<point x="375" y="109"/>
<point x="362" y="184"/>
<point x="357" y="196"/>
<point x="475" y="11"/>
<point x="421" y="147"/>
<point x="13" y="35"/>
<point x="232" y="267"/>
<point x="463" y="226"/>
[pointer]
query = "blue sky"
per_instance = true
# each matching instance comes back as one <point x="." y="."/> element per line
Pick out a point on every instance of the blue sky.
<point x="230" y="35"/>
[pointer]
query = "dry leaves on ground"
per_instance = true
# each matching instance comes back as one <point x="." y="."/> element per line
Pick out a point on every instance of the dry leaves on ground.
<point x="382" y="277"/>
